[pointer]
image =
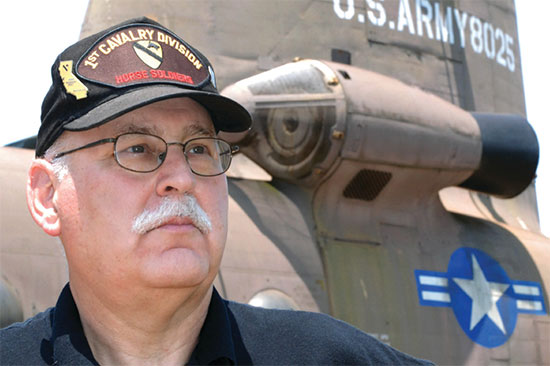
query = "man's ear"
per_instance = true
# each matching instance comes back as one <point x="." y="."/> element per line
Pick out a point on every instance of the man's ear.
<point x="40" y="196"/>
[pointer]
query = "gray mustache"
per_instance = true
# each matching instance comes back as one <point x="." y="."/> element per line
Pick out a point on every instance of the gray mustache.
<point x="183" y="206"/>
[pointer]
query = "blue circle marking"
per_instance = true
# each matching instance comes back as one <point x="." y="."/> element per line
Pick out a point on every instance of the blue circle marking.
<point x="485" y="301"/>
<point x="482" y="297"/>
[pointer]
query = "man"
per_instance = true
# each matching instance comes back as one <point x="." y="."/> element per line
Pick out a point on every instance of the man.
<point x="129" y="174"/>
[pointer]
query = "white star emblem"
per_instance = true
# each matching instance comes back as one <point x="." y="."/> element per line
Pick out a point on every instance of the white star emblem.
<point x="484" y="295"/>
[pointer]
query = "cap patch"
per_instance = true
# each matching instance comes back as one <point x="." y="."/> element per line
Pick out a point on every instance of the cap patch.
<point x="142" y="54"/>
<point x="70" y="81"/>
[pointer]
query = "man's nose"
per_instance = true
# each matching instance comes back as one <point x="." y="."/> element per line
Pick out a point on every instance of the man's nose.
<point x="175" y="175"/>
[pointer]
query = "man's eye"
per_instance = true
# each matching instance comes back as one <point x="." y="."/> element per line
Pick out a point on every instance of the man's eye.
<point x="198" y="150"/>
<point x="137" y="149"/>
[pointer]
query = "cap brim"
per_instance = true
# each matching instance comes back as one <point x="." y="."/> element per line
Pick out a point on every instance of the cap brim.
<point x="227" y="115"/>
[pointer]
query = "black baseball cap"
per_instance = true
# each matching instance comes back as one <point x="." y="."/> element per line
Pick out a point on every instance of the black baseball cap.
<point x="125" y="67"/>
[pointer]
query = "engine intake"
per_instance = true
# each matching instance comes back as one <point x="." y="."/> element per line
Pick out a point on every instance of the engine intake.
<point x="310" y="115"/>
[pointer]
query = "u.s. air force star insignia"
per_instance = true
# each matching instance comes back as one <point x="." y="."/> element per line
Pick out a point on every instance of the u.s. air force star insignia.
<point x="150" y="52"/>
<point x="486" y="302"/>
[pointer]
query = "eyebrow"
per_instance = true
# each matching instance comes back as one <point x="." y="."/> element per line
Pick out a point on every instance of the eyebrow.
<point x="198" y="130"/>
<point x="129" y="128"/>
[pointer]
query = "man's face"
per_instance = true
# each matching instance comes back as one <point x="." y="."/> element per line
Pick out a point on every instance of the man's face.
<point x="98" y="202"/>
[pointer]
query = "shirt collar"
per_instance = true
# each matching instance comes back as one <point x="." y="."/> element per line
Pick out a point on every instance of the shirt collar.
<point x="215" y="346"/>
<point x="70" y="346"/>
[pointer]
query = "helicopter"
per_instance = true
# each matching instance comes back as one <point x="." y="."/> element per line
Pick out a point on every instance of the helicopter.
<point x="388" y="178"/>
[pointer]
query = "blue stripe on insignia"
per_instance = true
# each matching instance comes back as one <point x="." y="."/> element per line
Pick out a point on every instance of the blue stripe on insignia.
<point x="529" y="297"/>
<point x="432" y="288"/>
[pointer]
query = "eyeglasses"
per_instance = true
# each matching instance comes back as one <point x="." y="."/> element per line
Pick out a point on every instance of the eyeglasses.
<point x="143" y="153"/>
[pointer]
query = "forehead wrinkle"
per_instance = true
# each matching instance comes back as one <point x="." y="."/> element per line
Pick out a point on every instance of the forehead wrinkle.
<point x="193" y="127"/>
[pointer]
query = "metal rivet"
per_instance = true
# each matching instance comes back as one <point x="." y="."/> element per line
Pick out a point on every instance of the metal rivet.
<point x="337" y="135"/>
<point x="333" y="81"/>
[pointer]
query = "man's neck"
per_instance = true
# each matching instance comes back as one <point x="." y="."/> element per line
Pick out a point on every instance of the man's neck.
<point x="161" y="327"/>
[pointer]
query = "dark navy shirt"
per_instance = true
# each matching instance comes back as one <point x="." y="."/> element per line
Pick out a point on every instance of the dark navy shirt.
<point x="232" y="334"/>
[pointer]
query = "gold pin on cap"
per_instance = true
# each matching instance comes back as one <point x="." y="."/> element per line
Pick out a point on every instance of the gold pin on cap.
<point x="70" y="81"/>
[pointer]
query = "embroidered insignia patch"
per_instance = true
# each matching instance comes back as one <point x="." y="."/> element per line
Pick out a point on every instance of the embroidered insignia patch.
<point x="139" y="54"/>
<point x="150" y="52"/>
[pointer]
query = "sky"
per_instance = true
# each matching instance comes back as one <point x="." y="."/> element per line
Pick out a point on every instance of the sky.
<point x="36" y="36"/>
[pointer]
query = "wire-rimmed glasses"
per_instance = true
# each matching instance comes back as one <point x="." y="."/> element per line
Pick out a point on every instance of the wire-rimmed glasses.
<point x="143" y="153"/>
